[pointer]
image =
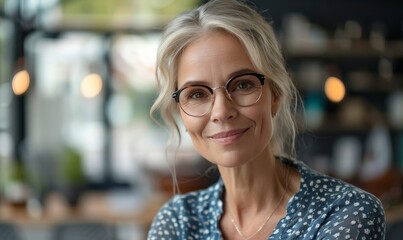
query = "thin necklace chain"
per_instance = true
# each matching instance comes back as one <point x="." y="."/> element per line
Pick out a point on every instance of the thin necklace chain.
<point x="267" y="219"/>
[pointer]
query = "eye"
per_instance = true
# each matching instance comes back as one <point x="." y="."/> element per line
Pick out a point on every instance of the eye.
<point x="195" y="94"/>
<point x="244" y="84"/>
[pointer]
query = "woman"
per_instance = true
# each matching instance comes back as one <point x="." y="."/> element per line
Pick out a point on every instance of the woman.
<point x="221" y="70"/>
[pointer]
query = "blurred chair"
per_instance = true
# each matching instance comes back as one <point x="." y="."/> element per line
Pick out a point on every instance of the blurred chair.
<point x="394" y="230"/>
<point x="84" y="231"/>
<point x="8" y="232"/>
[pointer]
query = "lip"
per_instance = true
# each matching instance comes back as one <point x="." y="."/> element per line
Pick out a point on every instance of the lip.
<point x="229" y="137"/>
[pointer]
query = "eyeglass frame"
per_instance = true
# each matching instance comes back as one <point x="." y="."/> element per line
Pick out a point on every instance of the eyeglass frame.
<point x="177" y="93"/>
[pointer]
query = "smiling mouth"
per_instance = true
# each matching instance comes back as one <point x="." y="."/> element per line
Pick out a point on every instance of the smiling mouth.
<point x="229" y="137"/>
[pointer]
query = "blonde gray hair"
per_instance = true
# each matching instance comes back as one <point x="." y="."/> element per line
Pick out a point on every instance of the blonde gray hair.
<point x="258" y="38"/>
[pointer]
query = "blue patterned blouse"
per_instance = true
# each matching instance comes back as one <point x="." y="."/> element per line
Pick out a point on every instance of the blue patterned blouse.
<point x="324" y="208"/>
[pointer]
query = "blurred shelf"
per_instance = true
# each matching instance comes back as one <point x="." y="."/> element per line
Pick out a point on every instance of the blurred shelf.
<point x="356" y="49"/>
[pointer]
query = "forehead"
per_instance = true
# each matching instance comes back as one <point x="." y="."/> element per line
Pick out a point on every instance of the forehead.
<point x="216" y="54"/>
<point x="214" y="42"/>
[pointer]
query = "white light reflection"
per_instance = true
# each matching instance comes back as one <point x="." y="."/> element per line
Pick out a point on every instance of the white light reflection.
<point x="6" y="145"/>
<point x="5" y="94"/>
<point x="119" y="109"/>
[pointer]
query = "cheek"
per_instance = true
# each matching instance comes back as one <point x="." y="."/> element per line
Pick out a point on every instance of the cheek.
<point x="268" y="121"/>
<point x="264" y="122"/>
<point x="193" y="126"/>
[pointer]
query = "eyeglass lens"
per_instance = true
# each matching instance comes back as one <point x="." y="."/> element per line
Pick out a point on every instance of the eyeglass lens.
<point x="197" y="100"/>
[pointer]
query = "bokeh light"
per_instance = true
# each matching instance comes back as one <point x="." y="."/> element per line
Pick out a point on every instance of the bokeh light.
<point x="334" y="89"/>
<point x="20" y="82"/>
<point x="91" y="85"/>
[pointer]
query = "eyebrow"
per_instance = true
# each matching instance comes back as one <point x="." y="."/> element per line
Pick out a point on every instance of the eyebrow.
<point x="241" y="71"/>
<point x="231" y="75"/>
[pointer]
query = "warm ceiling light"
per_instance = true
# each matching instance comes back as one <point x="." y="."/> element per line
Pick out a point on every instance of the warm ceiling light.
<point x="334" y="89"/>
<point x="20" y="82"/>
<point x="91" y="85"/>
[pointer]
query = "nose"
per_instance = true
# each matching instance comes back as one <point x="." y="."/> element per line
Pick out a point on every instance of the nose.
<point x="223" y="108"/>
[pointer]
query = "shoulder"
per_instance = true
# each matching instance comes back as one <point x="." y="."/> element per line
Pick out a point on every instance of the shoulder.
<point x="198" y="201"/>
<point x="328" y="189"/>
<point x="185" y="213"/>
<point x="337" y="208"/>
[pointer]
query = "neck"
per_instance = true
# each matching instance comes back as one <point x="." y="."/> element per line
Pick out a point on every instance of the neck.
<point x="253" y="189"/>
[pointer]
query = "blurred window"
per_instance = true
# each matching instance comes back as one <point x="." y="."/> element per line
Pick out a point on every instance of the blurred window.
<point x="92" y="87"/>
<point x="137" y="140"/>
<point x="6" y="99"/>
<point x="66" y="101"/>
<point x="112" y="14"/>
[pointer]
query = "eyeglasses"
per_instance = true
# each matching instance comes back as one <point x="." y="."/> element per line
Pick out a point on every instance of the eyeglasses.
<point x="243" y="90"/>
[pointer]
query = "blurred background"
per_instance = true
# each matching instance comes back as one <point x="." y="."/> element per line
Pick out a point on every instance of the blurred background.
<point x="80" y="155"/>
